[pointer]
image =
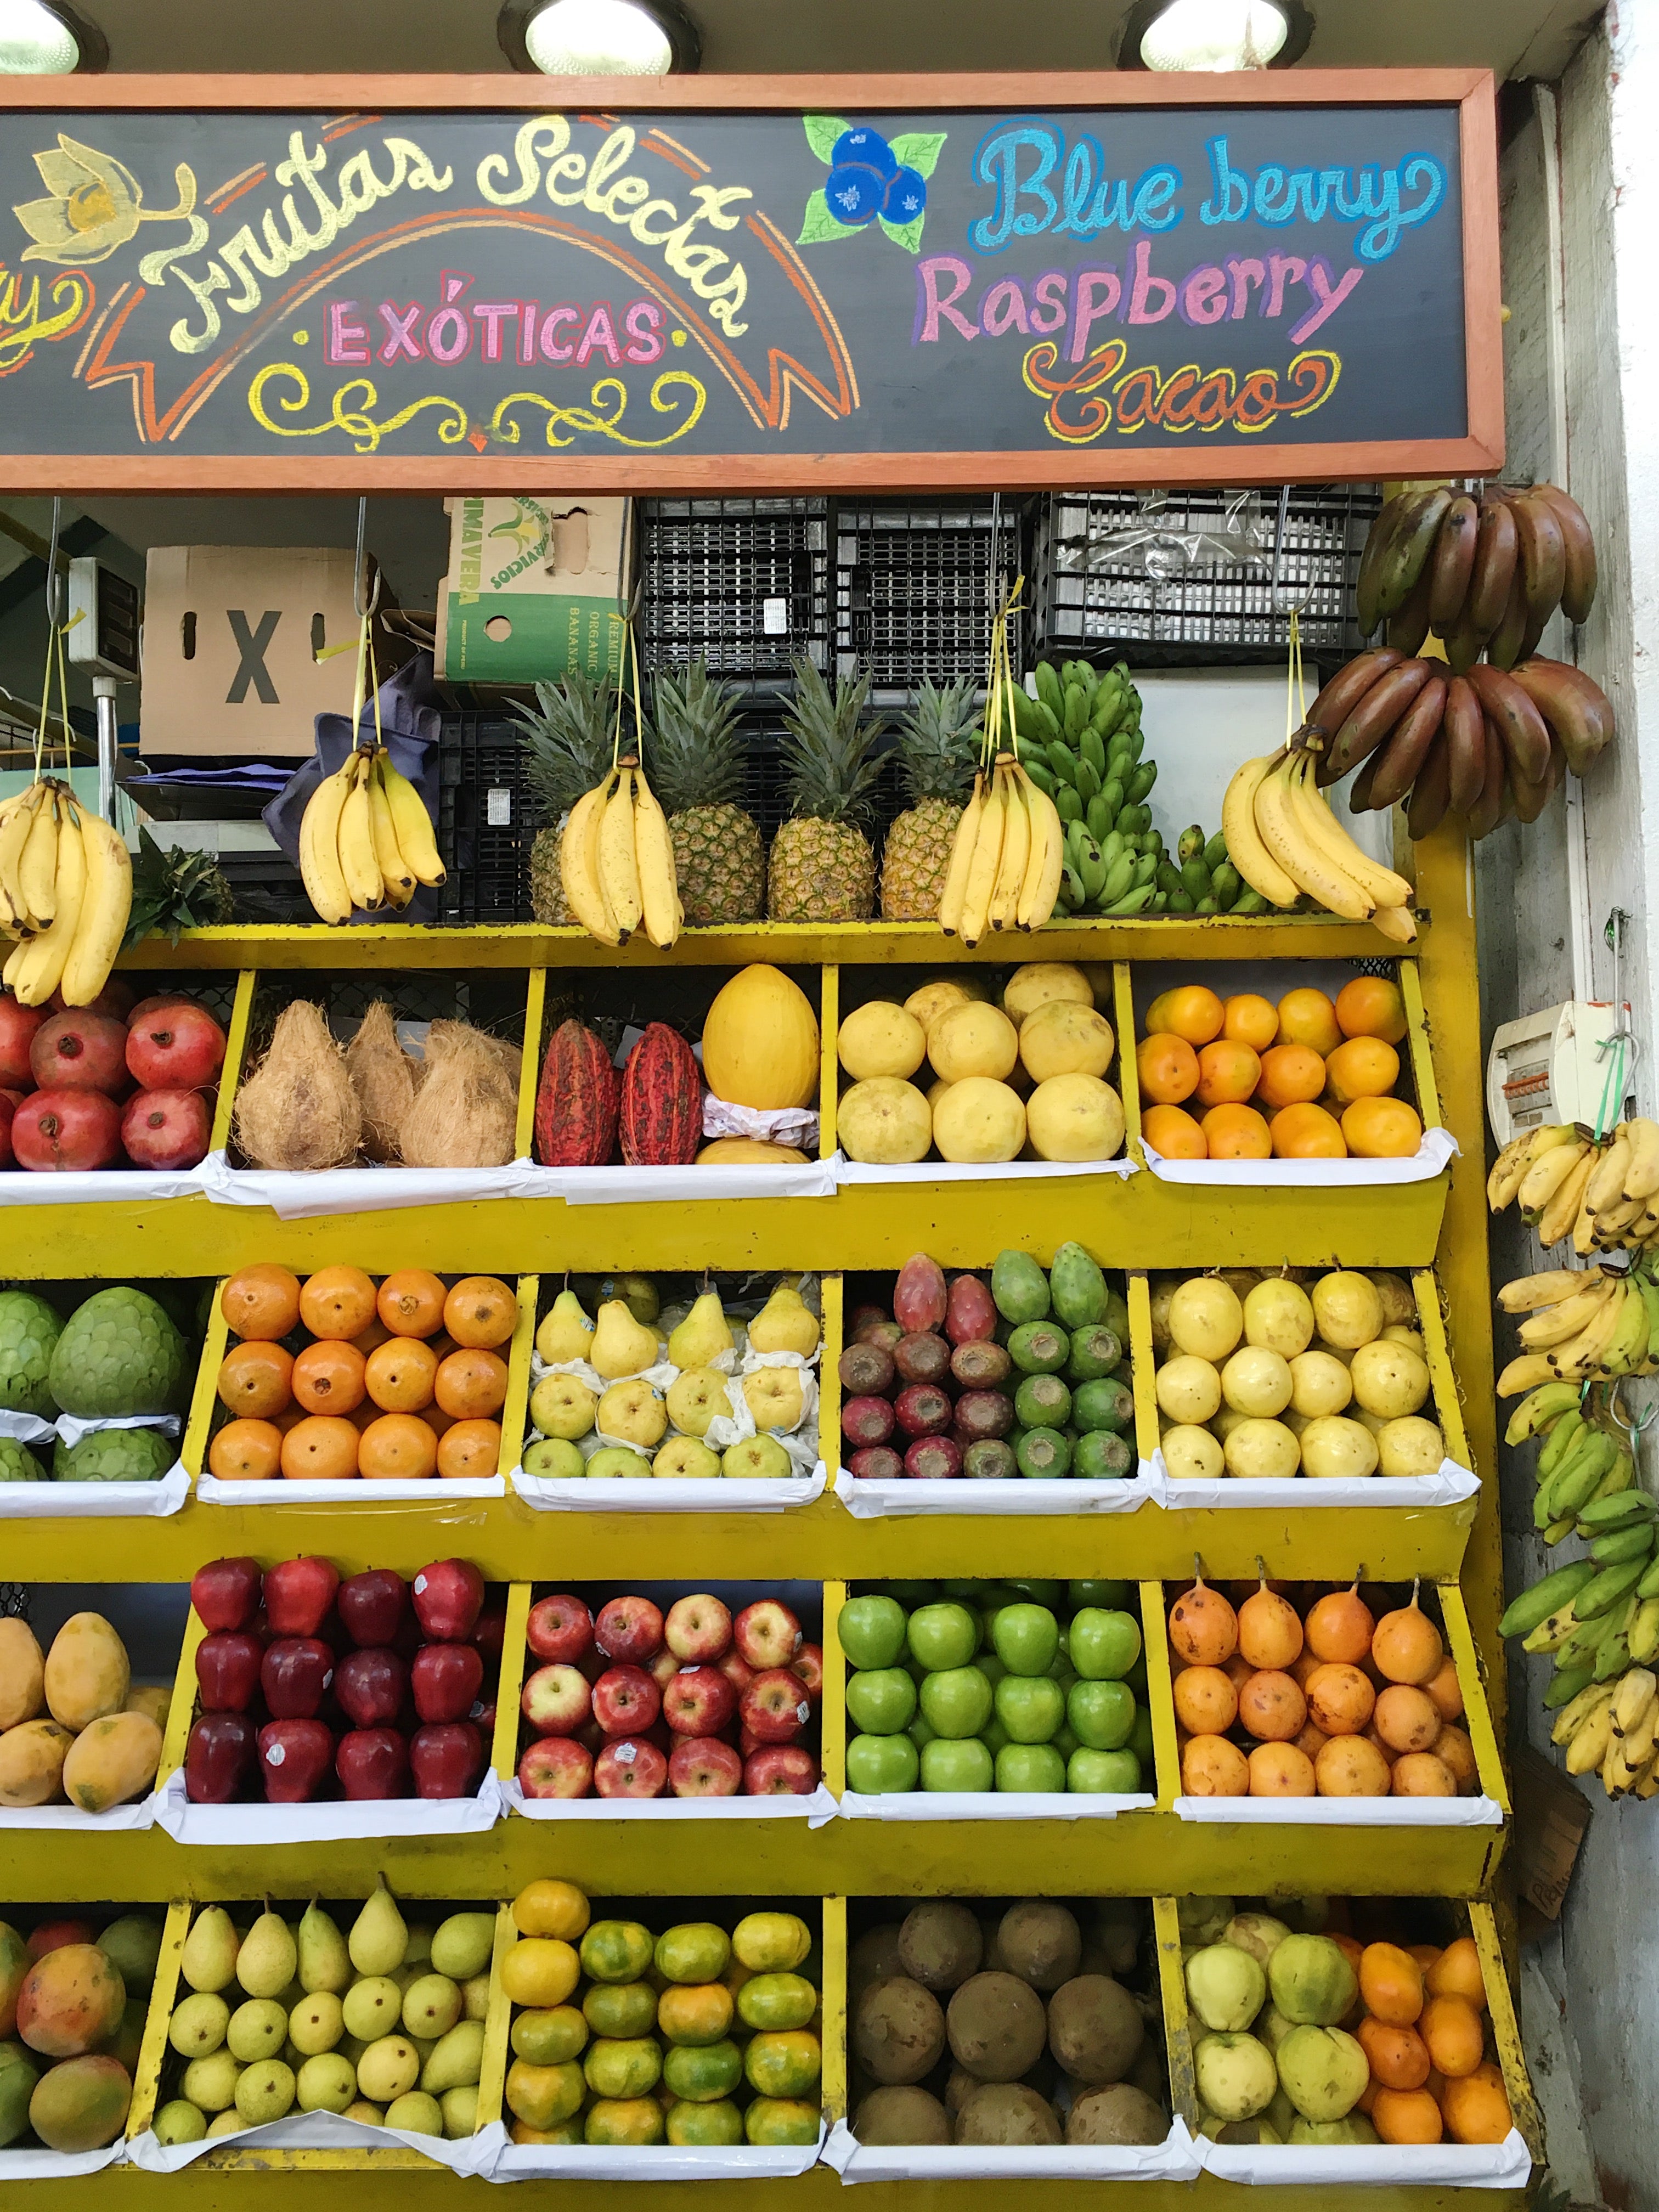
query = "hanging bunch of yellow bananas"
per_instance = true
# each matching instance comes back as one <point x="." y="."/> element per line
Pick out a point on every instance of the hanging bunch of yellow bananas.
<point x="65" y="894"/>
<point x="1010" y="849"/>
<point x="1603" y="1191"/>
<point x="617" y="857"/>
<point x="1583" y="1324"/>
<point x="366" y="839"/>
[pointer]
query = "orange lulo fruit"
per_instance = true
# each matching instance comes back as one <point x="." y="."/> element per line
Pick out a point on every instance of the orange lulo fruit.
<point x="1250" y="1019"/>
<point x="322" y="1447"/>
<point x="1167" y="1068"/>
<point x="1477" y="2107"/>
<point x="1340" y="1626"/>
<point x="398" y="1448"/>
<point x="254" y="1379"/>
<point x="1306" y="1016"/>
<point x="411" y="1302"/>
<point x="1307" y="1131"/>
<point x="338" y="1301"/>
<point x="1271" y="1707"/>
<point x="1227" y="1073"/>
<point x="1212" y="1767"/>
<point x="399" y="1374"/>
<point x="261" y="1303"/>
<point x="1371" y="1007"/>
<point x="1173" y="1134"/>
<point x="468" y="1450"/>
<point x="1203" y="1626"/>
<point x="470" y="1385"/>
<point x="480" y="1312"/>
<point x="1456" y="1973"/>
<point x="1381" y="1129"/>
<point x="1280" y="1770"/>
<point x="1348" y="1766"/>
<point x="245" y="1451"/>
<point x="1451" y="2028"/>
<point x="1399" y="2057"/>
<point x="1236" y="1132"/>
<point x="328" y="1377"/>
<point x="1391" y="1984"/>
<point x="1191" y="1011"/>
<point x="1364" y="1067"/>
<point x="1407" y="1646"/>
<point x="1407" y="2116"/>
<point x="1206" y="1702"/>
<point x="1291" y="1075"/>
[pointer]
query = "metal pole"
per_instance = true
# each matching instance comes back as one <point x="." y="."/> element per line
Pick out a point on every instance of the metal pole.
<point x="103" y="692"/>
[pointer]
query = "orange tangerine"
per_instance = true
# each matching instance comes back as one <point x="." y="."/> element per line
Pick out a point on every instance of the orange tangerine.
<point x="372" y="1338"/>
<point x="470" y="1385"/>
<point x="468" y="1449"/>
<point x="328" y="1377"/>
<point x="1407" y="2116"/>
<point x="338" y="1301"/>
<point x="1364" y="1067"/>
<point x="1391" y="1982"/>
<point x="1167" y="1066"/>
<point x="1173" y="1134"/>
<point x="1476" y="2107"/>
<point x="261" y="1303"/>
<point x="1398" y="2058"/>
<point x="1451" y="2028"/>
<point x="1236" y="1132"/>
<point x="1306" y="1132"/>
<point x="1456" y="1973"/>
<point x="398" y="1447"/>
<point x="398" y="1376"/>
<point x="1250" y="1019"/>
<point x="246" y="1451"/>
<point x="480" y="1312"/>
<point x="1307" y="1016"/>
<point x="1371" y="1007"/>
<point x="254" y="1379"/>
<point x="411" y="1302"/>
<point x="322" y="1447"/>
<point x="1290" y="1075"/>
<point x="1190" y="1011"/>
<point x="1381" y="1129"/>
<point x="1227" y="1073"/>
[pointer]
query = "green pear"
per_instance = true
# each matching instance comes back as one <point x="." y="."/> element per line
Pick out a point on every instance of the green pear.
<point x="456" y="2059"/>
<point x="209" y="1958"/>
<point x="432" y="2005"/>
<point x="785" y="1323"/>
<point x="621" y="1345"/>
<point x="459" y="2107"/>
<point x="367" y="2115"/>
<point x="415" y="2114"/>
<point x="379" y="1937"/>
<point x="325" y="2083"/>
<point x="269" y="1955"/>
<point x="474" y="1998"/>
<point x="372" y="2007"/>
<point x="462" y="1945"/>
<point x="316" y="2024"/>
<point x="211" y="2082"/>
<point x="555" y="1458"/>
<point x="198" y="2027"/>
<point x="257" y="2029"/>
<point x="325" y="1963"/>
<point x="701" y="1335"/>
<point x="353" y="2046"/>
<point x="417" y="1949"/>
<point x="264" y="2091"/>
<point x="388" y="2068"/>
<point x="565" y="1333"/>
<point x="227" y="2122"/>
<point x="180" y="2121"/>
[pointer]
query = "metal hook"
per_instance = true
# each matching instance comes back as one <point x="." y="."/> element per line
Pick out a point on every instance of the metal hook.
<point x="1632" y="1428"/>
<point x="1291" y="605"/>
<point x="55" y="606"/>
<point x="359" y="568"/>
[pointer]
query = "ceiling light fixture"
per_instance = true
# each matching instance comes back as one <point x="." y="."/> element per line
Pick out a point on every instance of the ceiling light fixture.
<point x="597" y="38"/>
<point x="1215" y="34"/>
<point x="41" y="37"/>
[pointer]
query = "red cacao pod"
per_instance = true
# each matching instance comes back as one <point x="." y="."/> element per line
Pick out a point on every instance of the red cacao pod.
<point x="662" y="1115"/>
<point x="576" y="1104"/>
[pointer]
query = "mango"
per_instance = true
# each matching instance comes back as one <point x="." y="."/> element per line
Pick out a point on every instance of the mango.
<point x="151" y="1698"/>
<point x="18" y="2075"/>
<point x="14" y="1964"/>
<point x="22" y="1674"/>
<point x="112" y="1761"/>
<point x="32" y="1762"/>
<point x="71" y="2000"/>
<point x="86" y="1672"/>
<point x="81" y="2104"/>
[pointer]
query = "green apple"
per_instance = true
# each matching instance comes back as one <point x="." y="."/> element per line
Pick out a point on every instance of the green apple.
<point x="964" y="1765"/>
<point x="993" y="1735"/>
<point x="617" y="1460"/>
<point x="965" y="1592"/>
<point x="943" y="1636"/>
<point x="1064" y="1740"/>
<point x="1103" y="1773"/>
<point x="553" y="1458"/>
<point x="920" y="1732"/>
<point x="957" y="1702"/>
<point x="990" y="1666"/>
<point x="1035" y="1591"/>
<point x="1136" y="1678"/>
<point x="1030" y="1706"/>
<point x="881" y="1700"/>
<point x="872" y="1631"/>
<point x="1140" y="1738"/>
<point x="1104" y="1645"/>
<point x="1101" y="1714"/>
<point x="882" y="1765"/>
<point x="1030" y="1766"/>
<point x="915" y="1669"/>
<point x="1026" y="1637"/>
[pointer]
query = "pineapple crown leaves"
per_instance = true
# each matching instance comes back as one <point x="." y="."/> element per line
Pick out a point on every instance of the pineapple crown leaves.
<point x="174" y="889"/>
<point x="697" y="755"/>
<point x="830" y="766"/>
<point x="567" y="737"/>
<point x="939" y="741"/>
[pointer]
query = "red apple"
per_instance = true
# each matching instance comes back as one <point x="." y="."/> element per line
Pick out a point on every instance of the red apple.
<point x="218" y="1757"/>
<point x="774" y="1707"/>
<point x="555" y="1766"/>
<point x="177" y="1048"/>
<point x="628" y="1629"/>
<point x="663" y="1668"/>
<point x="780" y="1770"/>
<point x="166" y="1128"/>
<point x="66" y="1132"/>
<point x="807" y="1667"/>
<point x="298" y="1595"/>
<point x="490" y="1629"/>
<point x="625" y="1701"/>
<point x="766" y="1634"/>
<point x="697" y="1628"/>
<point x="444" y="1679"/>
<point x="295" y="1757"/>
<point x="482" y="1717"/>
<point x="226" y="1593"/>
<point x="57" y="1935"/>
<point x="227" y="1670"/>
<point x="371" y="1686"/>
<point x="372" y="1762"/>
<point x="698" y="1701"/>
<point x="703" y="1767"/>
<point x="79" y="1051"/>
<point x="632" y="1768"/>
<point x="560" y="1628"/>
<point x="556" y="1700"/>
<point x="738" y="1672"/>
<point x="17" y="1027"/>
<point x="294" y="1675"/>
<point x="446" y="1761"/>
<point x="372" y="1605"/>
<point x="448" y="1597"/>
<point x="748" y="1742"/>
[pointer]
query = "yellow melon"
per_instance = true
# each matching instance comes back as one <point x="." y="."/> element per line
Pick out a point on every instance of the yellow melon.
<point x="729" y="1152"/>
<point x="760" y="1042"/>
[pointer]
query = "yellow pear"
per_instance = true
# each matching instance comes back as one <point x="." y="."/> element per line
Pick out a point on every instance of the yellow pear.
<point x="774" y="1397"/>
<point x="634" y="1411"/>
<point x="621" y="1346"/>
<point x="565" y="1333"/>
<point x="703" y="1335"/>
<point x="695" y="1397"/>
<point x="784" y="1323"/>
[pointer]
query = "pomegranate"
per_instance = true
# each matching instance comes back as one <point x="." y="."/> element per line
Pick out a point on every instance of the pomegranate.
<point x="7" y="1158"/>
<point x="81" y="1052"/>
<point x="166" y="1128"/>
<point x="63" y="1130"/>
<point x="177" y="1048"/>
<point x="17" y="1027"/>
<point x="153" y="1005"/>
<point x="114" y="999"/>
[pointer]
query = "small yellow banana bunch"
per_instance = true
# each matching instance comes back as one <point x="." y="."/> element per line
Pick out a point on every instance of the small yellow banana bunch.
<point x="1006" y="862"/>
<point x="617" y="862"/>
<point x="366" y="839"/>
<point x="1285" y="841"/>
<point x="65" y="894"/>
<point x="1605" y="1194"/>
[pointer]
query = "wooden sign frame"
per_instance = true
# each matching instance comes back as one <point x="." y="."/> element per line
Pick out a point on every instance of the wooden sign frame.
<point x="1479" y="452"/>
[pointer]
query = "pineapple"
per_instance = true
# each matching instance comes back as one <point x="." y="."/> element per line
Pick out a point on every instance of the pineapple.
<point x="698" y="770"/>
<point x="569" y="744"/>
<point x="174" y="889"/>
<point x="939" y="742"/>
<point x="823" y="868"/>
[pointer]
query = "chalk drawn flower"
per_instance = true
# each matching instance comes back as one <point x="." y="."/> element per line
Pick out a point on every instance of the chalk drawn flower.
<point x="873" y="179"/>
<point x="94" y="204"/>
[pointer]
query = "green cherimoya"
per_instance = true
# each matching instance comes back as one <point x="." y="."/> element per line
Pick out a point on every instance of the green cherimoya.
<point x="29" y="1330"/>
<point x="119" y="1353"/>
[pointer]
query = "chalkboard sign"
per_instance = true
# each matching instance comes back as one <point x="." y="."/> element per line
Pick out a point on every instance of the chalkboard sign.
<point x="717" y="286"/>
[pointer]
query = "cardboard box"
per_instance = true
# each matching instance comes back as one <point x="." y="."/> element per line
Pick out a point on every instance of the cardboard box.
<point x="230" y="633"/>
<point x="534" y="589"/>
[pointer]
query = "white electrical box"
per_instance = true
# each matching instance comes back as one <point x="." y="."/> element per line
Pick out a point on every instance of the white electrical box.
<point x="105" y="613"/>
<point x="1548" y="1068"/>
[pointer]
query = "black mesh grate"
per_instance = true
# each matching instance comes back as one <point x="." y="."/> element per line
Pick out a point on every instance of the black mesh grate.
<point x="487" y="820"/>
<point x="917" y="587"/>
<point x="745" y="582"/>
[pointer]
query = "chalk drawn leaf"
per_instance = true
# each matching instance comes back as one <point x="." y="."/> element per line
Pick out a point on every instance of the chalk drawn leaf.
<point x="909" y="235"/>
<point x="822" y="132"/>
<point x="919" y="149"/>
<point x="818" y="223"/>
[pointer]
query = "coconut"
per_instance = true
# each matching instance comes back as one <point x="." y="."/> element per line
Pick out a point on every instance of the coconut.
<point x="1118" y="2115"/>
<point x="1006" y="2112"/>
<point x="383" y="1076"/>
<point x="465" y="1114"/>
<point x="298" y="1111"/>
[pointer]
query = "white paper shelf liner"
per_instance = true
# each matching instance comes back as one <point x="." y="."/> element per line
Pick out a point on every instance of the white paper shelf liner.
<point x="1438" y="1148"/>
<point x="120" y="1819"/>
<point x="355" y="1490"/>
<point x="654" y="2162"/>
<point x="59" y="2164"/>
<point x="356" y="1190"/>
<point x="993" y="1805"/>
<point x="330" y="1822"/>
<point x="1398" y="2166"/>
<point x="796" y="1126"/>
<point x="99" y="1186"/>
<point x="650" y="1494"/>
<point x="96" y="1501"/>
<point x="626" y="1186"/>
<point x="1175" y="2158"/>
<point x="71" y="1428"/>
<point x="1344" y="1812"/>
<point x="870" y="1498"/>
<point x="1450" y="1484"/>
<point x="815" y="1808"/>
<point x="852" y="1172"/>
<point x="471" y="2154"/>
<point x="24" y="1428"/>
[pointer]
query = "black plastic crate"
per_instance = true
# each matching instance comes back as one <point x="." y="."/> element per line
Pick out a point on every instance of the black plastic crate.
<point x="488" y="818"/>
<point x="745" y="582"/>
<point x="266" y="888"/>
<point x="917" y="586"/>
<point x="1093" y="598"/>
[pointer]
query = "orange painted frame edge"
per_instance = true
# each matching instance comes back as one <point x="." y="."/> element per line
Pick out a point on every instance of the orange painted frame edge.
<point x="1480" y="453"/>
